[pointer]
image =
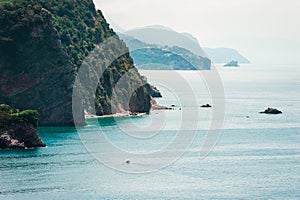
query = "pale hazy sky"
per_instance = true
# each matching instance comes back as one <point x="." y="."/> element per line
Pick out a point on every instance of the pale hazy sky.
<point x="265" y="31"/>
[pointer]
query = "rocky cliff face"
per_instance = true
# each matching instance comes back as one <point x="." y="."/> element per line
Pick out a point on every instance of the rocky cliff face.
<point x="43" y="45"/>
<point x="18" y="129"/>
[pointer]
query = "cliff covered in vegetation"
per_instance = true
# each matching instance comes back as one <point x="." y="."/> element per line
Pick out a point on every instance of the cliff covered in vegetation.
<point x="19" y="129"/>
<point x="43" y="44"/>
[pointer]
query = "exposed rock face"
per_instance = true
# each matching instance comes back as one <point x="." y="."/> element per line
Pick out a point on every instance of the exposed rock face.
<point x="35" y="72"/>
<point x="18" y="129"/>
<point x="153" y="91"/>
<point x="42" y="46"/>
<point x="139" y="103"/>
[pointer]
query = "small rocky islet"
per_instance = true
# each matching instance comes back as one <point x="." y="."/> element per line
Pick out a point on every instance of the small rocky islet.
<point x="273" y="111"/>
<point x="232" y="64"/>
<point x="18" y="129"/>
<point x="206" y="106"/>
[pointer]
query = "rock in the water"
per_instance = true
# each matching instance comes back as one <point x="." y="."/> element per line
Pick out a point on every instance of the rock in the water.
<point x="7" y="142"/>
<point x="232" y="64"/>
<point x="156" y="106"/>
<point x="271" y="111"/>
<point x="206" y="106"/>
<point x="18" y="129"/>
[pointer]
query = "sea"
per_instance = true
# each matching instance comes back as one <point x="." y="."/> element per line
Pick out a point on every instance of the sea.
<point x="228" y="151"/>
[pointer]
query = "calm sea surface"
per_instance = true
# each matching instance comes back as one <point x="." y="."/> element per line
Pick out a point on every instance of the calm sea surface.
<point x="256" y="157"/>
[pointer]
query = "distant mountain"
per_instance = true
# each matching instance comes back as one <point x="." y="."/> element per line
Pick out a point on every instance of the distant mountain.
<point x="158" y="57"/>
<point x="224" y="55"/>
<point x="164" y="36"/>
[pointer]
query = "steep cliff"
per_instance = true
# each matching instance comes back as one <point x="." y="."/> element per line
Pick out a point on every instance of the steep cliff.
<point x="18" y="129"/>
<point x="43" y="44"/>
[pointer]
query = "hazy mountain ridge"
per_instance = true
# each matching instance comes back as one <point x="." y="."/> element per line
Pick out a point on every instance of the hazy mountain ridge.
<point x="150" y="35"/>
<point x="224" y="55"/>
<point x="155" y="56"/>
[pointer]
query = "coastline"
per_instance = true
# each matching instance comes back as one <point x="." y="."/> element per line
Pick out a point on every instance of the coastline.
<point x="155" y="106"/>
<point x="116" y="115"/>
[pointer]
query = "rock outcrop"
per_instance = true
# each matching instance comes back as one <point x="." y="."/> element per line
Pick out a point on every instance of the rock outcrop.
<point x="206" y="106"/>
<point x="43" y="45"/>
<point x="153" y="91"/>
<point x="156" y="106"/>
<point x="18" y="129"/>
<point x="271" y="111"/>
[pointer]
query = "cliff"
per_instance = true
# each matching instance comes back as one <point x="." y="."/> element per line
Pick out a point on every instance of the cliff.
<point x="43" y="44"/>
<point x="18" y="129"/>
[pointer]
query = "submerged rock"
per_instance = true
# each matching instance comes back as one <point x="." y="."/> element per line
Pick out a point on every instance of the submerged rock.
<point x="271" y="111"/>
<point x="19" y="129"/>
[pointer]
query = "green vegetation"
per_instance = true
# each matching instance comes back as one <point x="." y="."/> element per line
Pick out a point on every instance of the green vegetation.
<point x="79" y="26"/>
<point x="31" y="116"/>
<point x="43" y="43"/>
<point x="18" y="129"/>
<point x="10" y="116"/>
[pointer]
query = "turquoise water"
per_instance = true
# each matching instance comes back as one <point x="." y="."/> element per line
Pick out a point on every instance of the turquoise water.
<point x="255" y="158"/>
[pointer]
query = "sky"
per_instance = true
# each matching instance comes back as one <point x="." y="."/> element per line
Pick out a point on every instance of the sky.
<point x="265" y="31"/>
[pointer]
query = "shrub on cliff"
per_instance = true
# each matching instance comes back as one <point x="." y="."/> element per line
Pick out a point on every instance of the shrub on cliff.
<point x="31" y="116"/>
<point x="10" y="116"/>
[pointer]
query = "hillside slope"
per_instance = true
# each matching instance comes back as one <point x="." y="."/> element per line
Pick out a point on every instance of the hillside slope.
<point x="42" y="46"/>
<point x="163" y="57"/>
